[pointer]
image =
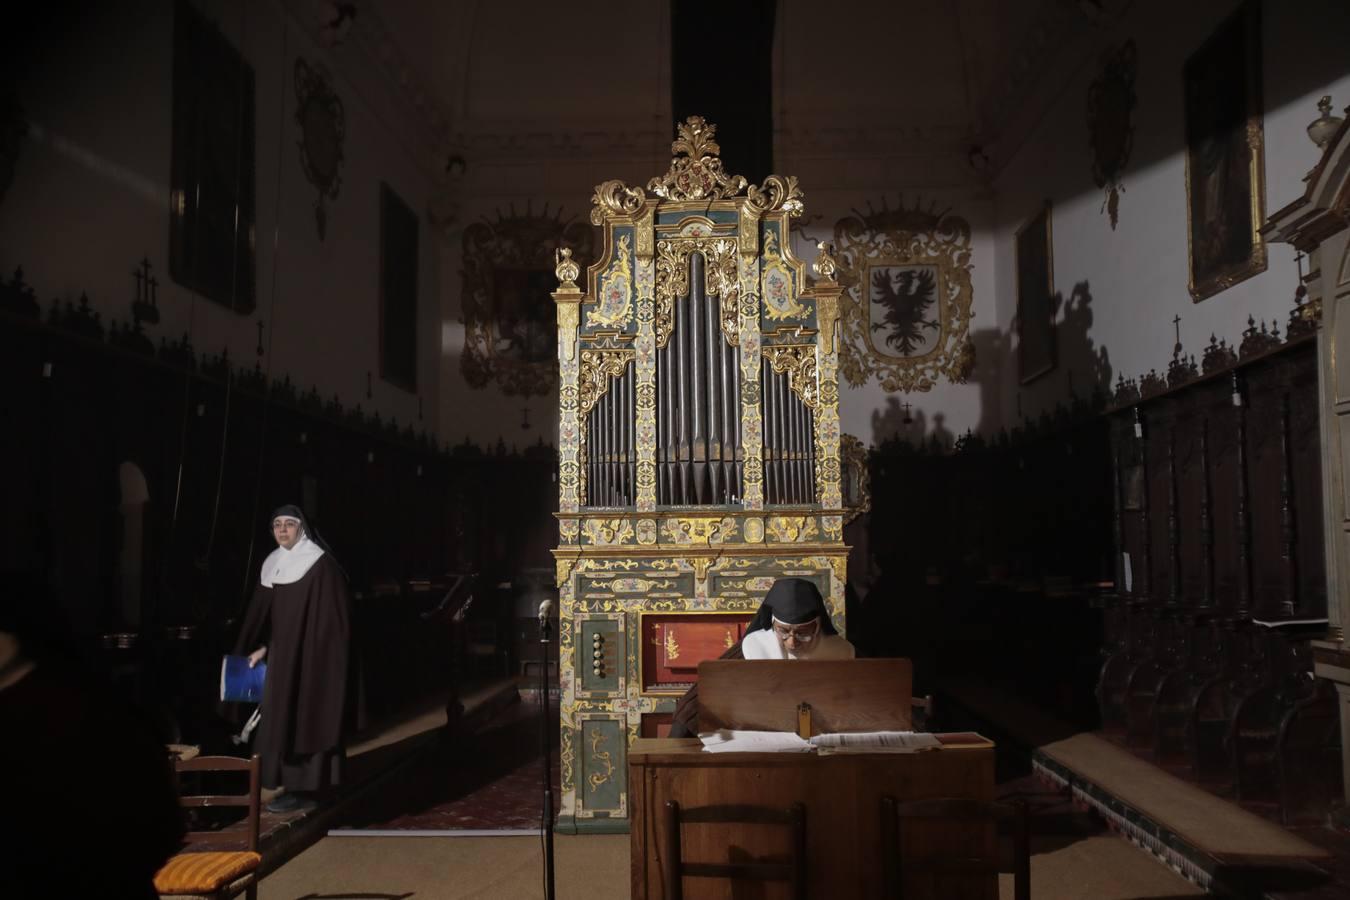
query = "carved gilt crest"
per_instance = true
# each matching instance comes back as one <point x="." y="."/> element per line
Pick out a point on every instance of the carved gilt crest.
<point x="614" y="306"/>
<point x="323" y="132"/>
<point x="906" y="308"/>
<point x="1111" y="102"/>
<point x="776" y="284"/>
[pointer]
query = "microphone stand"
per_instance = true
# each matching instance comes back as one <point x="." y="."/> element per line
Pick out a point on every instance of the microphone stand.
<point x="546" y="746"/>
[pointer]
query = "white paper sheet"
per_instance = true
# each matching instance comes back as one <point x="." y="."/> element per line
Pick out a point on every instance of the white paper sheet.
<point x="727" y="741"/>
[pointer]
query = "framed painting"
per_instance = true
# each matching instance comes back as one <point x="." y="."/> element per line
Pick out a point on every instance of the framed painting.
<point x="1035" y="278"/>
<point x="211" y="211"/>
<point x="510" y="320"/>
<point x="1225" y="170"/>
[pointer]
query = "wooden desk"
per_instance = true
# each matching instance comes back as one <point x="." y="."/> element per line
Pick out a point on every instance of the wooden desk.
<point x="842" y="794"/>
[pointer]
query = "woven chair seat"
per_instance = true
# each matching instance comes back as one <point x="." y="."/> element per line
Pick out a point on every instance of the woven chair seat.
<point x="204" y="873"/>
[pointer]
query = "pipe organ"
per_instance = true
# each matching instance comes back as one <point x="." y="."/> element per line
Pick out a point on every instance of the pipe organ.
<point x="698" y="449"/>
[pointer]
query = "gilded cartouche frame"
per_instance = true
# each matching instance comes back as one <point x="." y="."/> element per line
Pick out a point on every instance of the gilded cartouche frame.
<point x="1250" y="12"/>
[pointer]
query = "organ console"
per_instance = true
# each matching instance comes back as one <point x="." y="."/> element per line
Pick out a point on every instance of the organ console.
<point x="698" y="449"/>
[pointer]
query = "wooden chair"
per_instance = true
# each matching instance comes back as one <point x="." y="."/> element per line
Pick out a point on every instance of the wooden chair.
<point x="217" y="874"/>
<point x="1309" y="754"/>
<point x="676" y="869"/>
<point x="895" y="816"/>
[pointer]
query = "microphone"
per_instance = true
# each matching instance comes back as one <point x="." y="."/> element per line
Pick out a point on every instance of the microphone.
<point x="545" y="609"/>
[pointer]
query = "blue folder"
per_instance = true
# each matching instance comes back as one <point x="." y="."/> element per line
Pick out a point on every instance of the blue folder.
<point x="239" y="683"/>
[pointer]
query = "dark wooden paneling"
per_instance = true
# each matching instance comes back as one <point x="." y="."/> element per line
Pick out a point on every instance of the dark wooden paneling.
<point x="1232" y="498"/>
<point x="1206" y="669"/>
<point x="217" y="458"/>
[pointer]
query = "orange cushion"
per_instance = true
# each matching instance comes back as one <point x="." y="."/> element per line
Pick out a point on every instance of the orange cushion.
<point x="202" y="873"/>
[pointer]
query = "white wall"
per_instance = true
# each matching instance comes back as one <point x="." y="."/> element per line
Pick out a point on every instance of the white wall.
<point x="868" y="412"/>
<point x="91" y="191"/>
<point x="863" y="126"/>
<point x="93" y="174"/>
<point x="1137" y="274"/>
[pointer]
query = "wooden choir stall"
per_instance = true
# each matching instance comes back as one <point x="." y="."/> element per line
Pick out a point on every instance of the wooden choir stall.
<point x="709" y="816"/>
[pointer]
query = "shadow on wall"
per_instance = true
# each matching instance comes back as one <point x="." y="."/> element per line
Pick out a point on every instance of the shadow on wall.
<point x="1082" y="368"/>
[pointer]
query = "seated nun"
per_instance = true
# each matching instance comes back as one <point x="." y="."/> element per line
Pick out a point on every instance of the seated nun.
<point x="791" y="623"/>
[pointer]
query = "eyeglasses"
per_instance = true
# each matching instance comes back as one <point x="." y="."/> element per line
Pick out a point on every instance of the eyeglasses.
<point x="802" y="634"/>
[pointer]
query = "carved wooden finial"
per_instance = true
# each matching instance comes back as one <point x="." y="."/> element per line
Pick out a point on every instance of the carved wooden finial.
<point x="567" y="270"/>
<point x="696" y="170"/>
<point x="825" y="265"/>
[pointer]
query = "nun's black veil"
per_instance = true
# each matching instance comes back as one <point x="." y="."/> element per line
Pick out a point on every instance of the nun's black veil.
<point x="792" y="601"/>
<point x="292" y="511"/>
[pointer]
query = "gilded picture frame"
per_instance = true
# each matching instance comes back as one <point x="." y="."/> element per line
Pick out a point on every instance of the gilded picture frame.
<point x="1034" y="276"/>
<point x="1225" y="150"/>
<point x="213" y="165"/>
<point x="907" y="303"/>
<point x="510" y="330"/>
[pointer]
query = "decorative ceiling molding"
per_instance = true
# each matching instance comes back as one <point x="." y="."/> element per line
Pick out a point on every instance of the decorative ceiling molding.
<point x="998" y="115"/>
<point x="537" y="141"/>
<point x="1059" y="25"/>
<point x="1072" y="66"/>
<point x="871" y="140"/>
<point x="1067" y="36"/>
<point x="369" y="42"/>
<point x="416" y="90"/>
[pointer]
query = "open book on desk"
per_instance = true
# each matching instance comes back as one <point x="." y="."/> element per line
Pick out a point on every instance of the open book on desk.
<point x="729" y="741"/>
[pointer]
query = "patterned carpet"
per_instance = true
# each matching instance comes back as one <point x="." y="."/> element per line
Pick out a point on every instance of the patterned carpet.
<point x="492" y="782"/>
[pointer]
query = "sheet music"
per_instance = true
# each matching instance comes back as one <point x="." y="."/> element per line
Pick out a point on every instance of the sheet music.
<point x="728" y="741"/>
<point x="875" y="741"/>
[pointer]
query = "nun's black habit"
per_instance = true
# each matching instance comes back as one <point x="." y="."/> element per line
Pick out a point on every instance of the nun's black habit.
<point x="301" y="611"/>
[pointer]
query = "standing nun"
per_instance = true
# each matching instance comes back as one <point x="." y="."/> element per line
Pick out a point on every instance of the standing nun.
<point x="791" y="623"/>
<point x="300" y="621"/>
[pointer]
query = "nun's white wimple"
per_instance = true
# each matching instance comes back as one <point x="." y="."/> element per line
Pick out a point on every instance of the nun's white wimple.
<point x="284" y="566"/>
